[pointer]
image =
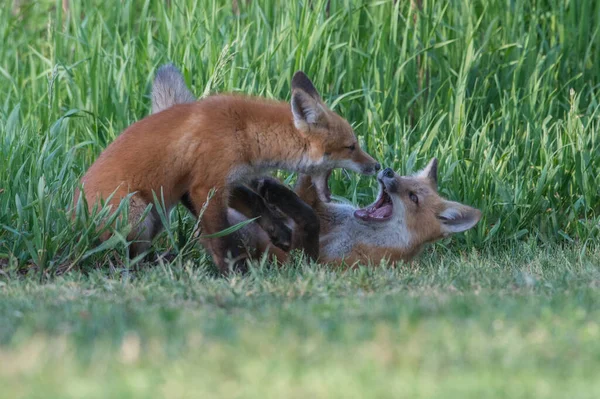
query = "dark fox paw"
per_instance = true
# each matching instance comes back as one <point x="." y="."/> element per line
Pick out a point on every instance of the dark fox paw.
<point x="266" y="187"/>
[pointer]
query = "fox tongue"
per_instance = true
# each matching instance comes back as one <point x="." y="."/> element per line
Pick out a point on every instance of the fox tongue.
<point x="382" y="212"/>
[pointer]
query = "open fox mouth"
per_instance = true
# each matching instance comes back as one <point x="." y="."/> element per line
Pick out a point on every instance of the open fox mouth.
<point x="321" y="183"/>
<point x="380" y="210"/>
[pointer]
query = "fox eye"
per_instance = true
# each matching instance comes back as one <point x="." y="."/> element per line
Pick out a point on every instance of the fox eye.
<point x="352" y="147"/>
<point x="413" y="197"/>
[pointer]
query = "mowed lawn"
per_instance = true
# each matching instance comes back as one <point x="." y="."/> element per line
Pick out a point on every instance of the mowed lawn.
<point x="505" y="95"/>
<point x="520" y="324"/>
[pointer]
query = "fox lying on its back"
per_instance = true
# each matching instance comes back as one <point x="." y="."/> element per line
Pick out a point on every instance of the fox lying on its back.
<point x="185" y="151"/>
<point x="407" y="214"/>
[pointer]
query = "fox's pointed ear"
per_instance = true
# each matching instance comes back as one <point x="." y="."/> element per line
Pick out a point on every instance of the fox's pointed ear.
<point x="430" y="171"/>
<point x="301" y="82"/>
<point x="457" y="217"/>
<point x="306" y="110"/>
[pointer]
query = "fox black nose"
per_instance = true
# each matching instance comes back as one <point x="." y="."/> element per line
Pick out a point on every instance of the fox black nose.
<point x="377" y="167"/>
<point x="388" y="172"/>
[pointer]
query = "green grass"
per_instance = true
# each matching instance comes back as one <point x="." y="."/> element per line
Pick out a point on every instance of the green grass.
<point x="484" y="86"/>
<point x="504" y="92"/>
<point x="517" y="324"/>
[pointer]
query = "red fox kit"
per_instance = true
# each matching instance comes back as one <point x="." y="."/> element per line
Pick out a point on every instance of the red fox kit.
<point x="185" y="151"/>
<point x="407" y="214"/>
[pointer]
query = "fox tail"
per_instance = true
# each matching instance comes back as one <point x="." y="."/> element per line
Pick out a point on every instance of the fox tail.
<point x="169" y="89"/>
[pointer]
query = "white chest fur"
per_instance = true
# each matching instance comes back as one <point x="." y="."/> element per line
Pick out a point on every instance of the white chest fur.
<point x="346" y="231"/>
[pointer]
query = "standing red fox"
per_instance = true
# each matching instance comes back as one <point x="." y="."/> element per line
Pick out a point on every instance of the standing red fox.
<point x="189" y="149"/>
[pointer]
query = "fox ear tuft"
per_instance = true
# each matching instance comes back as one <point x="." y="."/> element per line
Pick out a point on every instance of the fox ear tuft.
<point x="457" y="217"/>
<point x="430" y="171"/>
<point x="301" y="82"/>
<point x="306" y="110"/>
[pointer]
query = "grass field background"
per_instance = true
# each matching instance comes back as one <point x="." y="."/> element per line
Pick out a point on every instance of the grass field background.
<point x="504" y="93"/>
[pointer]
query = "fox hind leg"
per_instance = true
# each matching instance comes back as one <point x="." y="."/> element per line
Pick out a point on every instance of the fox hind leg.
<point x="252" y="205"/>
<point x="306" y="233"/>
